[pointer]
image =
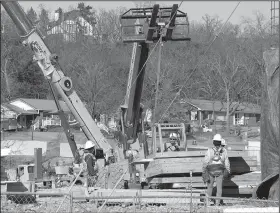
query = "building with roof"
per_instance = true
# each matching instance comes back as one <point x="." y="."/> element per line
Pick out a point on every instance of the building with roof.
<point x="71" y="24"/>
<point x="39" y="105"/>
<point x="40" y="112"/>
<point x="243" y="113"/>
<point x="12" y="115"/>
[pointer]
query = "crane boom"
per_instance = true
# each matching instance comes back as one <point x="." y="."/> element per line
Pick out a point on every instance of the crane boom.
<point x="135" y="87"/>
<point x="52" y="71"/>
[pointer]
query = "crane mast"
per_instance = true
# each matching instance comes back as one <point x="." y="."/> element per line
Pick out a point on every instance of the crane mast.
<point x="132" y="106"/>
<point x="54" y="74"/>
<point x="150" y="24"/>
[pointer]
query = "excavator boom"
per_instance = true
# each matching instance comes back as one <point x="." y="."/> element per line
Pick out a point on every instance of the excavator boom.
<point x="52" y="71"/>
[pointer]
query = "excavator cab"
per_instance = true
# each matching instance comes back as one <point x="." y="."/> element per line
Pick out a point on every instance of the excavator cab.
<point x="176" y="140"/>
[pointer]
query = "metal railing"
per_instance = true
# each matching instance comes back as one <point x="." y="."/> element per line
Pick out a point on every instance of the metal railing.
<point x="51" y="202"/>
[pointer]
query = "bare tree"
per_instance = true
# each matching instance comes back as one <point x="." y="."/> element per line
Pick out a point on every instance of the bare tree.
<point x="107" y="28"/>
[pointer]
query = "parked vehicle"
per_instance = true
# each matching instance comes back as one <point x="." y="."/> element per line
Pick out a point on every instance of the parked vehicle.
<point x="9" y="124"/>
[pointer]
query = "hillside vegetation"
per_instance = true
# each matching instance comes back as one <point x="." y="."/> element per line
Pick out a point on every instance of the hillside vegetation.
<point x="230" y="70"/>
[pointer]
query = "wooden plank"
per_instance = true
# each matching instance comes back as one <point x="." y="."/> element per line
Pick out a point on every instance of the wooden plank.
<point x="179" y="154"/>
<point x="195" y="168"/>
<point x="183" y="154"/>
<point x="176" y="180"/>
<point x="238" y="185"/>
<point x="188" y="164"/>
<point x="178" y="160"/>
<point x="174" y="169"/>
<point x="238" y="179"/>
<point x="187" y="161"/>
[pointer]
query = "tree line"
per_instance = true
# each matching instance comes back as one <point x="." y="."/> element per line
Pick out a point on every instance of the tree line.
<point x="231" y="70"/>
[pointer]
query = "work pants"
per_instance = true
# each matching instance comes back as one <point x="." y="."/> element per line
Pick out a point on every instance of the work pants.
<point x="90" y="181"/>
<point x="219" y="183"/>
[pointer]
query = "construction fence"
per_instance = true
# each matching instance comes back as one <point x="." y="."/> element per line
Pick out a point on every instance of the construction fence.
<point x="66" y="202"/>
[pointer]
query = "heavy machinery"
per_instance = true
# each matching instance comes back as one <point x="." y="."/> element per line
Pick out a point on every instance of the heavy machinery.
<point x="143" y="27"/>
<point x="152" y="25"/>
<point x="62" y="84"/>
<point x="160" y="165"/>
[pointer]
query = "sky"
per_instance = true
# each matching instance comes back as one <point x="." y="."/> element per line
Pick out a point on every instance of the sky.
<point x="195" y="9"/>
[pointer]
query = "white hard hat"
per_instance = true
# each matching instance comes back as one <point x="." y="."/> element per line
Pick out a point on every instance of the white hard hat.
<point x="223" y="142"/>
<point x="217" y="137"/>
<point x="173" y="135"/>
<point x="89" y="144"/>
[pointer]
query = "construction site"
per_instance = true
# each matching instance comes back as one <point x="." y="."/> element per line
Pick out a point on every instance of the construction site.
<point x="171" y="87"/>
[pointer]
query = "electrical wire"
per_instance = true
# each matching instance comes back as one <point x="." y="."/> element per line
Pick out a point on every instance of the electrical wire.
<point x="216" y="36"/>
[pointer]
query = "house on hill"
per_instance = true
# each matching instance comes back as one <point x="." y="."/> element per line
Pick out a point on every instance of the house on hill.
<point x="244" y="113"/>
<point x="40" y="111"/>
<point x="71" y="24"/>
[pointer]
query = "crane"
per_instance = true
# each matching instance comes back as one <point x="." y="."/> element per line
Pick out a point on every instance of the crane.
<point x="62" y="84"/>
<point x="151" y="25"/>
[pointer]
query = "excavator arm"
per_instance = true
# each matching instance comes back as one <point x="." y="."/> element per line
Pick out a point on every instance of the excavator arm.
<point x="54" y="74"/>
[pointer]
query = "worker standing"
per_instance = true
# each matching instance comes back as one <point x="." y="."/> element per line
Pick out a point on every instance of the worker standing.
<point x="216" y="167"/>
<point x="89" y="164"/>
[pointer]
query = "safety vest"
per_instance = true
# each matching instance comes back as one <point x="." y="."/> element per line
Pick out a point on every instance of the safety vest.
<point x="84" y="163"/>
<point x="216" y="164"/>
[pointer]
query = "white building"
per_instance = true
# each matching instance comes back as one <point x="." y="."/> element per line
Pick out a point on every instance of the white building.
<point x="71" y="24"/>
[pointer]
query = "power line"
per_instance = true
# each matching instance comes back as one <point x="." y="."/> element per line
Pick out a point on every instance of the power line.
<point x="216" y="36"/>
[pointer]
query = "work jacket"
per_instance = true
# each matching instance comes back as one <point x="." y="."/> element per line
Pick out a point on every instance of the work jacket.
<point x="90" y="161"/>
<point x="208" y="158"/>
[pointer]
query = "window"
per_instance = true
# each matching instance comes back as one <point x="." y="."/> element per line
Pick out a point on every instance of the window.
<point x="258" y="117"/>
<point x="30" y="169"/>
<point x="21" y="171"/>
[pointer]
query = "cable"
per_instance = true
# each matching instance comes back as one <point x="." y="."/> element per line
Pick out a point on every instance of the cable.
<point x="216" y="36"/>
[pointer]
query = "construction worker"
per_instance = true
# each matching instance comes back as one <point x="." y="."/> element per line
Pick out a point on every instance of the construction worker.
<point x="173" y="144"/>
<point x="89" y="165"/>
<point x="215" y="167"/>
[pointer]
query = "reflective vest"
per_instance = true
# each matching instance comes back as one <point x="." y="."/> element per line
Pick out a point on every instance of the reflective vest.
<point x="216" y="164"/>
<point x="84" y="163"/>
